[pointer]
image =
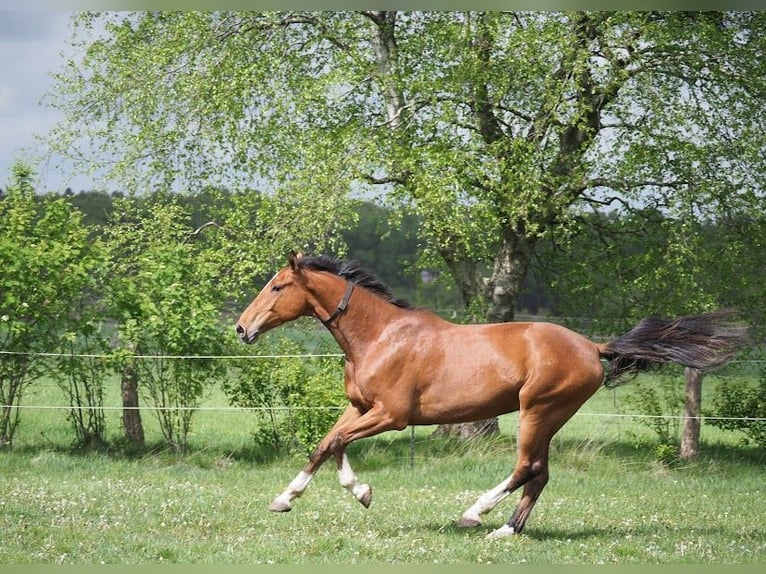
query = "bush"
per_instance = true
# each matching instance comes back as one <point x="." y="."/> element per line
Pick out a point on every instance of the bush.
<point x="296" y="400"/>
<point x="165" y="290"/>
<point x="661" y="399"/>
<point x="46" y="263"/>
<point x="743" y="407"/>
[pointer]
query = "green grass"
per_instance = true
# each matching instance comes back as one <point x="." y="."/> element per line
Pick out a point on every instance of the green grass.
<point x="608" y="501"/>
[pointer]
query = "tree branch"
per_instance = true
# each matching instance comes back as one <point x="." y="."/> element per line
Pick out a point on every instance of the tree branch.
<point x="400" y="179"/>
<point x="627" y="185"/>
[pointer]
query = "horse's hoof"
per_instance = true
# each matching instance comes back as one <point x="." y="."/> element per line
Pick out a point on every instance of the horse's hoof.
<point x="279" y="506"/>
<point x="466" y="522"/>
<point x="366" y="498"/>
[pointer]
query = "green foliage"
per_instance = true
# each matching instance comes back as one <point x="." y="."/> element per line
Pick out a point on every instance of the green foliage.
<point x="293" y="398"/>
<point x="165" y="290"/>
<point x="658" y="403"/>
<point x="48" y="266"/>
<point x="742" y="407"/>
<point x="384" y="240"/>
<point x="499" y="130"/>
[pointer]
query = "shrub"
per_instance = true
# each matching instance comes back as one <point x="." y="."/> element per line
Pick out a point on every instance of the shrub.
<point x="296" y="399"/>
<point x="742" y="407"/>
<point x="46" y="261"/>
<point x="165" y="291"/>
<point x="661" y="399"/>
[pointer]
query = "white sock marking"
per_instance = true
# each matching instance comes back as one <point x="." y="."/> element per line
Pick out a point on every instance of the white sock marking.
<point x="502" y="532"/>
<point x="349" y="481"/>
<point x="295" y="488"/>
<point x="487" y="501"/>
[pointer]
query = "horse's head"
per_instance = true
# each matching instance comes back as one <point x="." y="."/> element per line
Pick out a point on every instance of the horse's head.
<point x="283" y="299"/>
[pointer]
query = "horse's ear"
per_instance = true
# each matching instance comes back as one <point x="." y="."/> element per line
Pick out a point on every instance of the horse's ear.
<point x="293" y="258"/>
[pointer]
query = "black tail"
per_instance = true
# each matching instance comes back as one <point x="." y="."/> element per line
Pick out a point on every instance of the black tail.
<point x="697" y="341"/>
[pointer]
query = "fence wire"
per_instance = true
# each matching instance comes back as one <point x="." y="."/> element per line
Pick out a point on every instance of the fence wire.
<point x="290" y="408"/>
<point x="337" y="408"/>
<point x="169" y="357"/>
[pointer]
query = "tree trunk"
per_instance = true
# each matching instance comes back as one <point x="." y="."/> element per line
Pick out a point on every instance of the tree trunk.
<point x="464" y="272"/>
<point x="508" y="273"/>
<point x="482" y="428"/>
<point x="504" y="286"/>
<point x="690" y="438"/>
<point x="386" y="55"/>
<point x="131" y="416"/>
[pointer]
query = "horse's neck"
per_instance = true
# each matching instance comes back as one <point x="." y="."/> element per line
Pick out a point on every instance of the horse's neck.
<point x="361" y="322"/>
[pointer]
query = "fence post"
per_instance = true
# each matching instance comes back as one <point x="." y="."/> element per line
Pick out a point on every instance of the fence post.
<point x="690" y="438"/>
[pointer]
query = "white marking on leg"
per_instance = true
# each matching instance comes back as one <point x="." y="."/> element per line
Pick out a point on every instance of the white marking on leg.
<point x="486" y="502"/>
<point x="502" y="532"/>
<point x="350" y="482"/>
<point x="293" y="491"/>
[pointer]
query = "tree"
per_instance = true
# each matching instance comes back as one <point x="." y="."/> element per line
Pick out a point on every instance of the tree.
<point x="165" y="291"/>
<point x="497" y="129"/>
<point x="47" y="263"/>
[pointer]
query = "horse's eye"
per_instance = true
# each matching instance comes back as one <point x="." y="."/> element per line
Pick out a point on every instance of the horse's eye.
<point x="276" y="288"/>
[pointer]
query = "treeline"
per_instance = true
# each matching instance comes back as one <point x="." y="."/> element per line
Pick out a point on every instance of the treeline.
<point x="386" y="243"/>
<point x="604" y="271"/>
<point x="584" y="278"/>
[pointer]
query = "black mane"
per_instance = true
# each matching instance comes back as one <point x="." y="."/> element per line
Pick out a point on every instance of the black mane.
<point x="352" y="271"/>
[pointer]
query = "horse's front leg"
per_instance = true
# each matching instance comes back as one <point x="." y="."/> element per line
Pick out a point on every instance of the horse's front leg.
<point x="326" y="447"/>
<point x="351" y="426"/>
<point x="348" y="480"/>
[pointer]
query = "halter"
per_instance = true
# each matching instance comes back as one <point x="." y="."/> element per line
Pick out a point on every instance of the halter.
<point x="343" y="305"/>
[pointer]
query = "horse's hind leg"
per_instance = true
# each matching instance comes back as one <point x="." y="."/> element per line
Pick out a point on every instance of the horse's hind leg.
<point x="532" y="490"/>
<point x="531" y="472"/>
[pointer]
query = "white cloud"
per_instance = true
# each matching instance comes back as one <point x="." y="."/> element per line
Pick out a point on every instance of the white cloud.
<point x="31" y="44"/>
<point x="6" y="98"/>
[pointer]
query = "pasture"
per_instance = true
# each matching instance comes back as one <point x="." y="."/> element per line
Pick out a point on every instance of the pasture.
<point x="608" y="501"/>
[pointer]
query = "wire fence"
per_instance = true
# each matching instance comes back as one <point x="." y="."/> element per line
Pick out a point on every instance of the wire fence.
<point x="171" y="357"/>
<point x="278" y="408"/>
<point x="336" y="408"/>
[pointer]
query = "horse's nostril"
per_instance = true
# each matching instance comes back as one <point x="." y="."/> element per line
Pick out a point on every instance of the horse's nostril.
<point x="240" y="329"/>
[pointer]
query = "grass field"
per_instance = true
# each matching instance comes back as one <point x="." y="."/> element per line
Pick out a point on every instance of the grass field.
<point x="608" y="501"/>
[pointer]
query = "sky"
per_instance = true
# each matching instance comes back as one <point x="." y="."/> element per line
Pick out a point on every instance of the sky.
<point x="31" y="47"/>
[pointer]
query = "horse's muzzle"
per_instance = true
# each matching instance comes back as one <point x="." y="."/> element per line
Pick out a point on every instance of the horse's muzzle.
<point x="248" y="338"/>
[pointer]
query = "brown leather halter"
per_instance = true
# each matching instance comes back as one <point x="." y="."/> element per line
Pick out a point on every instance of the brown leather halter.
<point x="342" y="306"/>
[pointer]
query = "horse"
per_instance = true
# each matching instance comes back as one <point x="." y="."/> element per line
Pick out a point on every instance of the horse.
<point x="406" y="366"/>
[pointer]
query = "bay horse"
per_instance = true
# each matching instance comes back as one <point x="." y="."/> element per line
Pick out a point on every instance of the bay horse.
<point x="407" y="366"/>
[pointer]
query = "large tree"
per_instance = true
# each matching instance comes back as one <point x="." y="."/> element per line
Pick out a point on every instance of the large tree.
<point x="498" y="129"/>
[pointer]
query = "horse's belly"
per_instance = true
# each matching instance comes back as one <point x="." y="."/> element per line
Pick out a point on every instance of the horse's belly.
<point x="466" y="399"/>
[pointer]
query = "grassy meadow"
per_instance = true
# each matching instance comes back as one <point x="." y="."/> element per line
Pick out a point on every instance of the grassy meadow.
<point x="608" y="501"/>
